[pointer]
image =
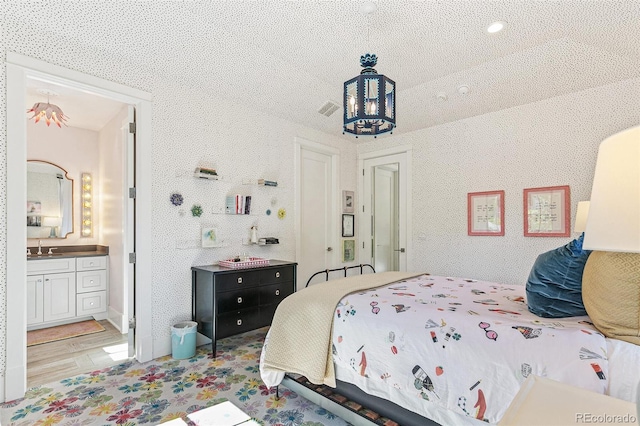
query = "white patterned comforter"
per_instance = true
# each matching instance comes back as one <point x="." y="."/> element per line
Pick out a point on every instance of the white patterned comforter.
<point x="464" y="345"/>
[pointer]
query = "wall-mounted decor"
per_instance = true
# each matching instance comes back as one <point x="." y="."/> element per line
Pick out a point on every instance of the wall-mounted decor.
<point x="348" y="250"/>
<point x="347" y="225"/>
<point x="347" y="202"/>
<point x="282" y="213"/>
<point x="209" y="237"/>
<point x="196" y="210"/>
<point x="34" y="213"/>
<point x="547" y="211"/>
<point x="176" y="199"/>
<point x="485" y="213"/>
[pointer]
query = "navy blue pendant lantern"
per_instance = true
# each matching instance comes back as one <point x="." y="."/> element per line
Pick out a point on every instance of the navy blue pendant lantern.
<point x="369" y="101"/>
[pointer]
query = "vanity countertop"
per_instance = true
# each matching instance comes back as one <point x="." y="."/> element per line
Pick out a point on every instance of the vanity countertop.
<point x="68" y="251"/>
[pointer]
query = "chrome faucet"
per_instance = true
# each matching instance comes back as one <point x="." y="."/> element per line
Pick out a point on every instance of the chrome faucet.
<point x="39" y="247"/>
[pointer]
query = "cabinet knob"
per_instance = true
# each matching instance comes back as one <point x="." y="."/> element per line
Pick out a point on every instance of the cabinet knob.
<point x="277" y="274"/>
<point x="91" y="281"/>
<point x="47" y="279"/>
<point x="90" y="263"/>
<point x="239" y="299"/>
<point x="277" y="292"/>
<point x="239" y="280"/>
<point x="91" y="303"/>
<point x="39" y="280"/>
<point x="239" y="322"/>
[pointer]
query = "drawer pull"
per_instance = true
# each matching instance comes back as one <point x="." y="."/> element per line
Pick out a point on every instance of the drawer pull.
<point x="277" y="274"/>
<point x="91" y="281"/>
<point x="239" y="322"/>
<point x="277" y="292"/>
<point x="239" y="280"/>
<point x="239" y="299"/>
<point x="91" y="303"/>
<point x="90" y="263"/>
<point x="47" y="279"/>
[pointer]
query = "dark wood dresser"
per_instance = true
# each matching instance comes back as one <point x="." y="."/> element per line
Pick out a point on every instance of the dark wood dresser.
<point x="232" y="301"/>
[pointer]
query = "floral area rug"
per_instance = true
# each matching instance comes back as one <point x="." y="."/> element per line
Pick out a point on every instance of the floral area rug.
<point x="132" y="393"/>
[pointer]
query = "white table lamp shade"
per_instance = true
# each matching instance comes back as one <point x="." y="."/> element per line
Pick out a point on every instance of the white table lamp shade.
<point x="614" y="211"/>
<point x="581" y="217"/>
<point x="50" y="221"/>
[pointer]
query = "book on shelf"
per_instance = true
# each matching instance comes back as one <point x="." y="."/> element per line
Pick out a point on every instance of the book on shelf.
<point x="268" y="240"/>
<point x="206" y="171"/>
<point x="267" y="182"/>
<point x="238" y="204"/>
<point x="203" y="173"/>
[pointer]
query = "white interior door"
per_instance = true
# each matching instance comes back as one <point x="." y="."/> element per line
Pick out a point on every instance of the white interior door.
<point x="317" y="197"/>
<point x="129" y="228"/>
<point x="385" y="220"/>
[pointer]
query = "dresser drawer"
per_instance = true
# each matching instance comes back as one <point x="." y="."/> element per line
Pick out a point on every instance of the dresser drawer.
<point x="237" y="322"/>
<point x="50" y="266"/>
<point x="91" y="303"/>
<point x="87" y="281"/>
<point x="91" y="263"/>
<point x="234" y="300"/>
<point x="274" y="293"/>
<point x="277" y="275"/>
<point x="237" y="280"/>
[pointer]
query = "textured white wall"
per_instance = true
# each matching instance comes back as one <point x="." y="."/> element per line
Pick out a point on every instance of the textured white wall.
<point x="546" y="143"/>
<point x="191" y="127"/>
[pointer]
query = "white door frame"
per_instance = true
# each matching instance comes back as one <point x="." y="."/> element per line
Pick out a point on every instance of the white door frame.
<point x="299" y="143"/>
<point x="19" y="68"/>
<point x="364" y="228"/>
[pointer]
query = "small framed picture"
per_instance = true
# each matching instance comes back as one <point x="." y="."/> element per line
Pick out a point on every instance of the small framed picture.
<point x="485" y="213"/>
<point x="547" y="211"/>
<point x="209" y="237"/>
<point x="347" y="202"/>
<point x="348" y="250"/>
<point x="347" y="225"/>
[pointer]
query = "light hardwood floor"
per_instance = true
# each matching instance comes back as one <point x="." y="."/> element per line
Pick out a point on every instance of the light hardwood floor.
<point x="54" y="361"/>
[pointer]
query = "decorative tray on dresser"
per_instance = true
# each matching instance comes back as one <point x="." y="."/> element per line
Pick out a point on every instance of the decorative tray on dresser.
<point x="231" y="301"/>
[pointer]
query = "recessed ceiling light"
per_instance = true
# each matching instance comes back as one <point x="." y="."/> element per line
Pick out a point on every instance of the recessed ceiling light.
<point x="496" y="27"/>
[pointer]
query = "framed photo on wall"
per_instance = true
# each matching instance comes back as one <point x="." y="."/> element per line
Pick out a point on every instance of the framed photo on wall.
<point x="347" y="225"/>
<point x="348" y="250"/>
<point x="348" y="202"/>
<point x="547" y="211"/>
<point x="485" y="213"/>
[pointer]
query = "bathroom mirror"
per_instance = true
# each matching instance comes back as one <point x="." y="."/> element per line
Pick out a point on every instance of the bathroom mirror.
<point x="49" y="200"/>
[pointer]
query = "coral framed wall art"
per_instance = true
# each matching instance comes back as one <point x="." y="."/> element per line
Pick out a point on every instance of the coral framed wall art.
<point x="547" y="211"/>
<point x="485" y="213"/>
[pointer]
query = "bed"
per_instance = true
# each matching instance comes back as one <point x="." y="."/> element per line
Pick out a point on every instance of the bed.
<point x="452" y="350"/>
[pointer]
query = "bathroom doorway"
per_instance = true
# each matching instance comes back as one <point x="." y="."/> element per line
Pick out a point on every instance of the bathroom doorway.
<point x="21" y="73"/>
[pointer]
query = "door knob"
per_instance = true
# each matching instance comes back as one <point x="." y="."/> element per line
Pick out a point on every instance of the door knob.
<point x="329" y="248"/>
<point x="402" y="250"/>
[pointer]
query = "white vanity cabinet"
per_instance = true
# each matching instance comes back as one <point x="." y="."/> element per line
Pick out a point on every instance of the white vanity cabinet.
<point x="60" y="290"/>
<point x="51" y="290"/>
<point x="91" y="285"/>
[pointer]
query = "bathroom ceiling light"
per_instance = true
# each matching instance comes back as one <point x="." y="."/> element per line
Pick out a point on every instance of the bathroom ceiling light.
<point x="46" y="110"/>
<point x="496" y="27"/>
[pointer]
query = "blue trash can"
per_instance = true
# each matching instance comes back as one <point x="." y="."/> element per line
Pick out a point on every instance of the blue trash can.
<point x="183" y="339"/>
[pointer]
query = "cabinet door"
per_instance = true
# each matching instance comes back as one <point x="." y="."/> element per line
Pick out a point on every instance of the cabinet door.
<point x="59" y="296"/>
<point x="35" y="297"/>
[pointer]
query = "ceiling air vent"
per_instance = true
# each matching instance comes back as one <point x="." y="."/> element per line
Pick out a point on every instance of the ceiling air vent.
<point x="329" y="108"/>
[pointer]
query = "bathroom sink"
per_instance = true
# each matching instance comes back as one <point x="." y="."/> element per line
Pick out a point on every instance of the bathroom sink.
<point x="44" y="256"/>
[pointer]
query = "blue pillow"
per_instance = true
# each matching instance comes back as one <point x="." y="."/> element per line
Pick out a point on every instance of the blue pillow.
<point x="554" y="287"/>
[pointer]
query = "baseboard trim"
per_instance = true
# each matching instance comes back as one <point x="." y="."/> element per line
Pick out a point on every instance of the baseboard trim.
<point x="118" y="320"/>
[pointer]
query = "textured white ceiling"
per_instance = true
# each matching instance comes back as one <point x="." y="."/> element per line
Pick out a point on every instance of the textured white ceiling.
<point x="289" y="57"/>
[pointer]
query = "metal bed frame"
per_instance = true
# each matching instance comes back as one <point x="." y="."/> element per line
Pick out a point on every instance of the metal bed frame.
<point x="344" y="268"/>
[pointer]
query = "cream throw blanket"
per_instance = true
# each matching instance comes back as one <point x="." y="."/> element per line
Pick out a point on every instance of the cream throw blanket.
<point x="301" y="332"/>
